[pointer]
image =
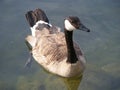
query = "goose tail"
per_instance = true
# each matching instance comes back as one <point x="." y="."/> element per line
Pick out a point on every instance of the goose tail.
<point x="37" y="19"/>
<point x="34" y="16"/>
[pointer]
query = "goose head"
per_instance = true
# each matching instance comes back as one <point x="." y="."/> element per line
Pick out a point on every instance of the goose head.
<point x="73" y="23"/>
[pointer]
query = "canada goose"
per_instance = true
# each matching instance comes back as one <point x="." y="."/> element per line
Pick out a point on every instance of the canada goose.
<point x="53" y="49"/>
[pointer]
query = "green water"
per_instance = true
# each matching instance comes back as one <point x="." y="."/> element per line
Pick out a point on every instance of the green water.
<point x="101" y="46"/>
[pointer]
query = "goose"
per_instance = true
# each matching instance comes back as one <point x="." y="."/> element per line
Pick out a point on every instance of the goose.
<point x="53" y="49"/>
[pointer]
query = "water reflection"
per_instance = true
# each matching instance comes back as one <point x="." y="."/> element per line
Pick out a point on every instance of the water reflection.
<point x="56" y="82"/>
<point x="43" y="80"/>
<point x="72" y="83"/>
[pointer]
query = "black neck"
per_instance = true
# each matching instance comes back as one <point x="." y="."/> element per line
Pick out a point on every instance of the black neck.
<point x="72" y="57"/>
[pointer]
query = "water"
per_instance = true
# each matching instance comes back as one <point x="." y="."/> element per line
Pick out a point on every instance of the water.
<point x="101" y="46"/>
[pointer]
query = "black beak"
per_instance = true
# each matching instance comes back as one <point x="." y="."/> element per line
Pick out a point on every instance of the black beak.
<point x="84" y="28"/>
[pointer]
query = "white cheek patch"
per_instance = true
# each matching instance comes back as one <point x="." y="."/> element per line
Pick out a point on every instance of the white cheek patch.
<point x="69" y="26"/>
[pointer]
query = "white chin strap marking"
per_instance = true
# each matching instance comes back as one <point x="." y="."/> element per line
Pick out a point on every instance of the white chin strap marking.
<point x="69" y="26"/>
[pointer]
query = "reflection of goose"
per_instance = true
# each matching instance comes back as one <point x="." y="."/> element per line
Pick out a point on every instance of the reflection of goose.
<point x="55" y="50"/>
<point x="72" y="83"/>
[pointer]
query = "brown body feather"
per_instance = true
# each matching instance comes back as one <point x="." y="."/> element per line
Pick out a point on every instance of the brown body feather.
<point x="50" y="50"/>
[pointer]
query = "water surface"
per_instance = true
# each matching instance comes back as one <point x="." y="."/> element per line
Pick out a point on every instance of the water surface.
<point x="101" y="46"/>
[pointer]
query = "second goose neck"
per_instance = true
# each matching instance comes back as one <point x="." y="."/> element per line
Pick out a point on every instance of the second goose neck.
<point x="71" y="57"/>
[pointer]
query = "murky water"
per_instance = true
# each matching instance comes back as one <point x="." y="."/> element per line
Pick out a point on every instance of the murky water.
<point x="101" y="46"/>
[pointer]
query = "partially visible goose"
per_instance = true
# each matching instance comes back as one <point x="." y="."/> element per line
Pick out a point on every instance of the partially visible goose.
<point x="53" y="49"/>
